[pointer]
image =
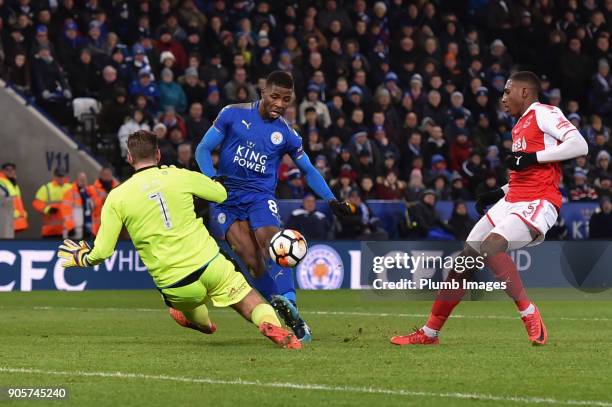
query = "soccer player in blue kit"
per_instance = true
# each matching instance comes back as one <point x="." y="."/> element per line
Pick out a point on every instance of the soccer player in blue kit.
<point x="254" y="137"/>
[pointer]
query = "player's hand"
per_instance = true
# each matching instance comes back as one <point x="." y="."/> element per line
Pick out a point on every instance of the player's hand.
<point x="521" y="160"/>
<point x="74" y="254"/>
<point x="338" y="208"/>
<point x="488" y="198"/>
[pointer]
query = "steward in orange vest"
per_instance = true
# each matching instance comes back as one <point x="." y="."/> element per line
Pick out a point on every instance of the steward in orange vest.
<point x="48" y="202"/>
<point x="8" y="178"/>
<point x="101" y="187"/>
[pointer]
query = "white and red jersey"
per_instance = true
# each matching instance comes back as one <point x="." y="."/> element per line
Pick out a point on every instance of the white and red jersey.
<point x="539" y="128"/>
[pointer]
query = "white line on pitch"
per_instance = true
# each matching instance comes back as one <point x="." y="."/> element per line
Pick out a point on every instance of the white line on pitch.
<point x="323" y="313"/>
<point x="313" y="387"/>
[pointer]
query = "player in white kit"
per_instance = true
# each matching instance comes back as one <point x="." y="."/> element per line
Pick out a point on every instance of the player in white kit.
<point x="524" y="209"/>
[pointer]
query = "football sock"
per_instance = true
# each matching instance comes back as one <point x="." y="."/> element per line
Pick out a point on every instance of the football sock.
<point x="266" y="285"/>
<point x="198" y="315"/>
<point x="432" y="333"/>
<point x="528" y="311"/>
<point x="504" y="269"/>
<point x="264" y="313"/>
<point x="283" y="278"/>
<point x="446" y="300"/>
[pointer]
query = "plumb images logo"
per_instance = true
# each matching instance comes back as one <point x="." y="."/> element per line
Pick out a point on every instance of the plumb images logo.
<point x="416" y="264"/>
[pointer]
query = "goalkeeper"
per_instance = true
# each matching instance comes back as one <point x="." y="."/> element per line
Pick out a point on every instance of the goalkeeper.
<point x="156" y="206"/>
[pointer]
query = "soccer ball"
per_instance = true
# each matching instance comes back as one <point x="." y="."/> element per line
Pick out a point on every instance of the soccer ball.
<point x="288" y="247"/>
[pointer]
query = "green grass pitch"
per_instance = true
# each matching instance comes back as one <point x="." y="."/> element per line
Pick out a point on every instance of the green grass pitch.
<point x="120" y="348"/>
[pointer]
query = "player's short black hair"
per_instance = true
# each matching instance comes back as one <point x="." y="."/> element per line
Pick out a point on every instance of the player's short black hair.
<point x="142" y="145"/>
<point x="8" y="165"/>
<point x="280" y="78"/>
<point x="527" y="77"/>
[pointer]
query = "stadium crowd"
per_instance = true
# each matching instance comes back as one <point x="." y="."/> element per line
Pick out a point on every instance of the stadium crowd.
<point x="394" y="99"/>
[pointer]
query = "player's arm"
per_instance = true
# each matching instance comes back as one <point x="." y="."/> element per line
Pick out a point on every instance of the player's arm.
<point x="317" y="183"/>
<point x="203" y="187"/>
<point x="553" y="123"/>
<point x="213" y="137"/>
<point x="80" y="254"/>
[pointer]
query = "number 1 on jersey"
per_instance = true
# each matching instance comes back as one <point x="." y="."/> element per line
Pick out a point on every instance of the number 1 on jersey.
<point x="163" y="208"/>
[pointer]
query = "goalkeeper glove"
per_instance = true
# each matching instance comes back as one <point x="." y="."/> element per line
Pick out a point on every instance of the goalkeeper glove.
<point x="488" y="198"/>
<point x="338" y="208"/>
<point x="74" y="254"/>
<point x="521" y="160"/>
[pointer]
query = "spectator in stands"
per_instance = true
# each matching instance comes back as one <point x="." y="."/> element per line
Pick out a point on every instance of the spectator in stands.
<point x="390" y="187"/>
<point x="51" y="87"/>
<point x="196" y="124"/>
<point x="361" y="224"/>
<point x="135" y="123"/>
<point x="321" y="110"/>
<point x="440" y="187"/>
<point x="146" y="86"/>
<point x="84" y="76"/>
<point x="458" y="192"/>
<point x="171" y="120"/>
<point x="314" y="225"/>
<point x="460" y="150"/>
<point x="49" y="203"/>
<point x="114" y="112"/>
<point x="106" y="90"/>
<point x="423" y="219"/>
<point x="482" y="134"/>
<point x="313" y="144"/>
<point x="436" y="145"/>
<point x="474" y="171"/>
<point x="582" y="191"/>
<point x="415" y="186"/>
<point x="170" y="93"/>
<point x="293" y="187"/>
<point x="346" y="182"/>
<point x="320" y="163"/>
<point x="438" y="167"/>
<point x="367" y="187"/>
<point x="601" y="89"/>
<point x="600" y="225"/>
<point x="69" y="44"/>
<point x="167" y="43"/>
<point x="19" y="73"/>
<point x="195" y="91"/>
<point x="603" y="185"/>
<point x="239" y="78"/>
<point x="460" y="222"/>
<point x="602" y="166"/>
<point x="184" y="157"/>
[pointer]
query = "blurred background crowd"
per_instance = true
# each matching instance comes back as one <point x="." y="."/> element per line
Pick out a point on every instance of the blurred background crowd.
<point x="395" y="100"/>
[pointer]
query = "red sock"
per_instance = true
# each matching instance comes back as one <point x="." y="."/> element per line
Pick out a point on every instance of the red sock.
<point x="504" y="269"/>
<point x="445" y="302"/>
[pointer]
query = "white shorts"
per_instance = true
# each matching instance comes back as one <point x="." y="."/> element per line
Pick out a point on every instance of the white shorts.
<point x="517" y="222"/>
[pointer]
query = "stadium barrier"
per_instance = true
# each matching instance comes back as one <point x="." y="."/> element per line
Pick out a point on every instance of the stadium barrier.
<point x="576" y="215"/>
<point x="33" y="265"/>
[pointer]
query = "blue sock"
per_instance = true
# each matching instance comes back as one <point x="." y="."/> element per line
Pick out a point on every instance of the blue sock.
<point x="266" y="286"/>
<point x="283" y="277"/>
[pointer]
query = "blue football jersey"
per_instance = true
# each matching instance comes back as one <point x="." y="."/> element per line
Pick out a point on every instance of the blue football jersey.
<point x="253" y="148"/>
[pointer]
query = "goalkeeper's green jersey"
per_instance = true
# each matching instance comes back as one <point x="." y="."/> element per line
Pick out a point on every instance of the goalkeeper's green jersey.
<point x="156" y="206"/>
